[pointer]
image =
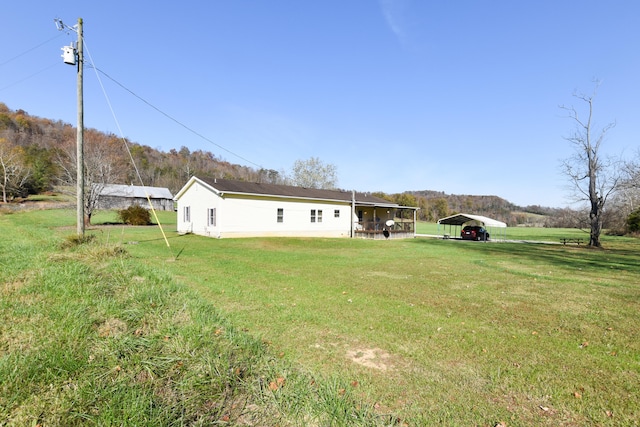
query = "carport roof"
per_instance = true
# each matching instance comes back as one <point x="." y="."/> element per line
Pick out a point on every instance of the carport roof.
<point x="462" y="218"/>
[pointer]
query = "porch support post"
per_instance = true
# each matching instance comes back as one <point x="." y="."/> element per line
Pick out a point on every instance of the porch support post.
<point x="375" y="217"/>
<point x="353" y="213"/>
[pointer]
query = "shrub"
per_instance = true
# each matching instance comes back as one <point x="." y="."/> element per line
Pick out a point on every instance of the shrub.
<point x="135" y="215"/>
<point x="633" y="221"/>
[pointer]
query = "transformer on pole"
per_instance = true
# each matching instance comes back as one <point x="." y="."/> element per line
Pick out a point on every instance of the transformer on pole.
<point x="74" y="55"/>
<point x="69" y="55"/>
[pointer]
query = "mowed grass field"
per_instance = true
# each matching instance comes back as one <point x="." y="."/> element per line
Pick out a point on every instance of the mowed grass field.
<point x="420" y="331"/>
<point x="551" y="235"/>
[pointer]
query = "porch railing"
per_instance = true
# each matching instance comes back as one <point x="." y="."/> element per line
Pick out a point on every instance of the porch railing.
<point x="379" y="229"/>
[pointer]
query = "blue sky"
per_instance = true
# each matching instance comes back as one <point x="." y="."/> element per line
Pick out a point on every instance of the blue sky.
<point x="461" y="97"/>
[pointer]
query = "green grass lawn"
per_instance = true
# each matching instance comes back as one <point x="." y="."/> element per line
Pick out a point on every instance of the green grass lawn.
<point x="90" y="335"/>
<point x="419" y="331"/>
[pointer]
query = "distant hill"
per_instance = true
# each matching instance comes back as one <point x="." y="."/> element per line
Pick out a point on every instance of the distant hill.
<point x="439" y="204"/>
<point x="47" y="150"/>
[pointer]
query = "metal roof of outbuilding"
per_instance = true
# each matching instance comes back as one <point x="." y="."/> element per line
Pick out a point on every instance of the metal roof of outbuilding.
<point x="136" y="191"/>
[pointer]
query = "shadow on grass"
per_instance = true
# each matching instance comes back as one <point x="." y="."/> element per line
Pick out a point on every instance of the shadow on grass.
<point x="571" y="257"/>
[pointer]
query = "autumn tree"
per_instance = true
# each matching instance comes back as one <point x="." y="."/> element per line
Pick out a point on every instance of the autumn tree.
<point x="13" y="171"/>
<point x="40" y="162"/>
<point x="270" y="176"/>
<point x="405" y="199"/>
<point x="593" y="177"/>
<point x="313" y="173"/>
<point x="440" y="208"/>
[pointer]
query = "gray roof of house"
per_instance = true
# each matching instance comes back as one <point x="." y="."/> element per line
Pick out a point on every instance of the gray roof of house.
<point x="136" y="191"/>
<point x="245" y="187"/>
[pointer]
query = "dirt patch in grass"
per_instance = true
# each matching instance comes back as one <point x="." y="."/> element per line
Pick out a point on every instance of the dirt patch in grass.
<point x="112" y="328"/>
<point x="11" y="287"/>
<point x="374" y="358"/>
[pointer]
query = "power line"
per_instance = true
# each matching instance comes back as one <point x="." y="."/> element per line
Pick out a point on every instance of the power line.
<point x="124" y="141"/>
<point x="21" y="55"/>
<point x="176" y="120"/>
<point x="128" y="90"/>
<point x="29" y="50"/>
<point x="30" y="76"/>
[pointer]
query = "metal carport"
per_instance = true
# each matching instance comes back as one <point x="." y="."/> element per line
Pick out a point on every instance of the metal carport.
<point x="461" y="219"/>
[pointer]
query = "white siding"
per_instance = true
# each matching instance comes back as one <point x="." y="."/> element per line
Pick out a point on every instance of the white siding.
<point x="199" y="200"/>
<point x="254" y="216"/>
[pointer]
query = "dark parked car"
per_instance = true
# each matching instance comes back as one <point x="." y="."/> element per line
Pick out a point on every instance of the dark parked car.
<point x="474" y="232"/>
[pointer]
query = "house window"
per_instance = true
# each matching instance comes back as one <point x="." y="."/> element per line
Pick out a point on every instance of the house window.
<point x="319" y="215"/>
<point x="186" y="214"/>
<point x="280" y="215"/>
<point x="336" y="213"/>
<point x="211" y="217"/>
<point x="313" y="215"/>
<point x="316" y="215"/>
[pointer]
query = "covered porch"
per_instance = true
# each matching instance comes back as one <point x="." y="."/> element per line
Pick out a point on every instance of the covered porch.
<point x="384" y="222"/>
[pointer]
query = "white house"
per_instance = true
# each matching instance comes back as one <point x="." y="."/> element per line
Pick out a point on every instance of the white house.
<point x="226" y="208"/>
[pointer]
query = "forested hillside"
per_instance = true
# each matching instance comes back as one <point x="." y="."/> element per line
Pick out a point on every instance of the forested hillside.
<point x="39" y="154"/>
<point x="42" y="153"/>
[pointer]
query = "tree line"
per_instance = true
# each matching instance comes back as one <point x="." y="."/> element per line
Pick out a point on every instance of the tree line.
<point x="38" y="155"/>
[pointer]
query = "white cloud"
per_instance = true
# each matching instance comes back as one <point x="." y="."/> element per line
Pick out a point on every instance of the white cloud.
<point x="395" y="12"/>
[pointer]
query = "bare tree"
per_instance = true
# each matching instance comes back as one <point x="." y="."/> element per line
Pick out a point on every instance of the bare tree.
<point x="104" y="163"/>
<point x="13" y="171"/>
<point x="593" y="177"/>
<point x="628" y="198"/>
<point x="632" y="174"/>
<point x="313" y="173"/>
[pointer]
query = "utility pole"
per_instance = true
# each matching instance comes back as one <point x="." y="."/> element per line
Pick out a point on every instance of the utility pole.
<point x="80" y="137"/>
<point x="75" y="56"/>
